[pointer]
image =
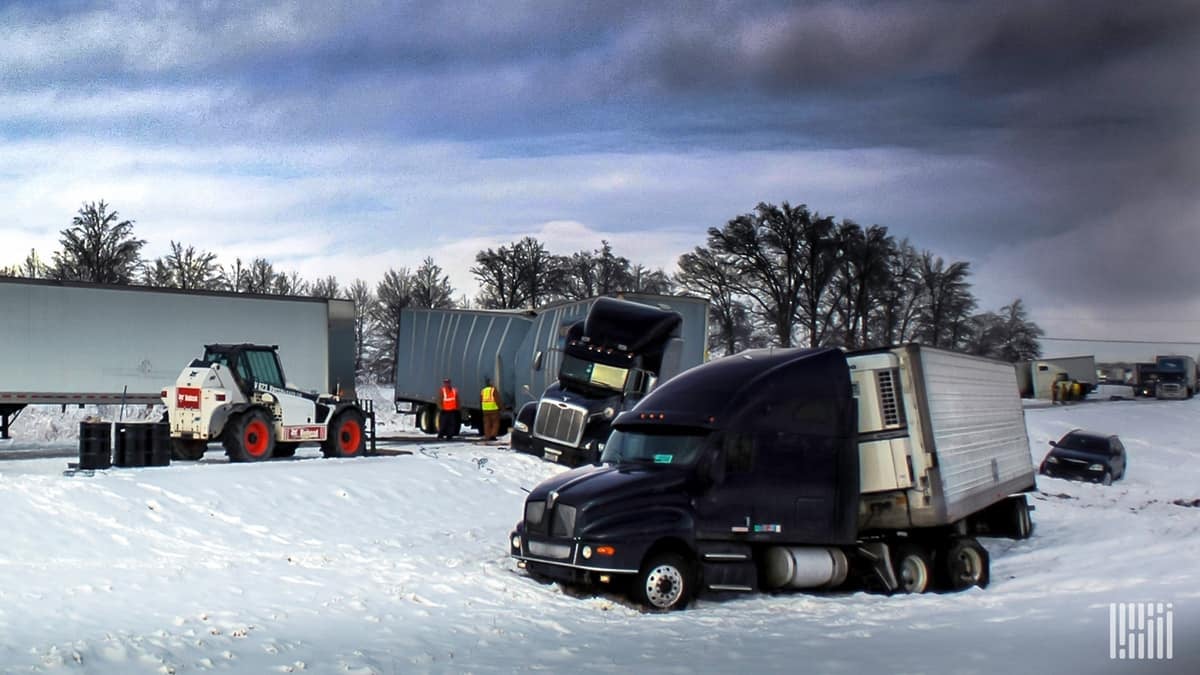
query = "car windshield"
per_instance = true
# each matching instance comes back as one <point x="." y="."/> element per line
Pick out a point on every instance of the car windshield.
<point x="595" y="374"/>
<point x="659" y="448"/>
<point x="1093" y="445"/>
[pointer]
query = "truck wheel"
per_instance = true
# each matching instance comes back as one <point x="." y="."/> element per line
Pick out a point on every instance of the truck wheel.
<point x="664" y="582"/>
<point x="346" y="435"/>
<point x="965" y="564"/>
<point x="188" y="450"/>
<point x="250" y="438"/>
<point x="1024" y="524"/>
<point x="285" y="449"/>
<point x="913" y="568"/>
<point x="427" y="419"/>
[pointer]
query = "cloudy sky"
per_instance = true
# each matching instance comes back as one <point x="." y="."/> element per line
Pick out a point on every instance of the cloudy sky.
<point x="1054" y="145"/>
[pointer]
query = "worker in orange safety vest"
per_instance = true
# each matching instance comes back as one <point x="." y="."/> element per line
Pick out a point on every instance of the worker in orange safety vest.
<point x="489" y="401"/>
<point x="447" y="410"/>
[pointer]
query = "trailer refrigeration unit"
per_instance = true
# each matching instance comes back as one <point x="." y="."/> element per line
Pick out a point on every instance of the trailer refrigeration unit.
<point x="794" y="469"/>
<point x="75" y="343"/>
<point x="525" y="353"/>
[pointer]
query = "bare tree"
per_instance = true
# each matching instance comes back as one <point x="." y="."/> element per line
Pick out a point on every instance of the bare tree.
<point x="98" y="248"/>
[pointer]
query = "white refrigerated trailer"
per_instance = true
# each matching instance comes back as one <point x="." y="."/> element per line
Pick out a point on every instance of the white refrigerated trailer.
<point x="76" y="343"/>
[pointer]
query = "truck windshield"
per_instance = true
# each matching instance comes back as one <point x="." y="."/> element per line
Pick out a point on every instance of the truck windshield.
<point x="595" y="374"/>
<point x="653" y="448"/>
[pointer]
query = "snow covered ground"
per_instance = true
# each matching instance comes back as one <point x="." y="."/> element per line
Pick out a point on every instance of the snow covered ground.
<point x="399" y="564"/>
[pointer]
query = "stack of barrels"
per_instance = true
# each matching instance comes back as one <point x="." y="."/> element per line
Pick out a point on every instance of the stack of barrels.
<point x="124" y="444"/>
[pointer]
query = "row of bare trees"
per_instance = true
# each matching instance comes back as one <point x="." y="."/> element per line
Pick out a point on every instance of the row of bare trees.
<point x="780" y="275"/>
<point x="787" y="275"/>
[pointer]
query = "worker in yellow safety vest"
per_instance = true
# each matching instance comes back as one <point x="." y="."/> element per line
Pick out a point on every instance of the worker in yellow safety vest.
<point x="489" y="401"/>
<point x="447" y="410"/>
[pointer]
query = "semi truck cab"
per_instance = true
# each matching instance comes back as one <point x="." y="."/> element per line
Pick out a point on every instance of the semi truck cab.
<point x="610" y="360"/>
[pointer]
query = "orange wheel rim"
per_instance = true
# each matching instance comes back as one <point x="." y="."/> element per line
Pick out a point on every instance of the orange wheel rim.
<point x="255" y="438"/>
<point x="349" y="436"/>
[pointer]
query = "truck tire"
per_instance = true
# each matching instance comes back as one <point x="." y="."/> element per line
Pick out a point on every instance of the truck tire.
<point x="427" y="419"/>
<point x="187" y="450"/>
<point x="1024" y="523"/>
<point x="249" y="437"/>
<point x="285" y="449"/>
<point x="965" y="564"/>
<point x="914" y="569"/>
<point x="347" y="435"/>
<point x="664" y="583"/>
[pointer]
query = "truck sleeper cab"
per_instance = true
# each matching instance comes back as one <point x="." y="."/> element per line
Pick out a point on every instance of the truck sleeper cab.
<point x="793" y="469"/>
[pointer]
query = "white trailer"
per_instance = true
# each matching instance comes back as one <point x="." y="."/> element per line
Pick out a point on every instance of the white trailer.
<point x="75" y="343"/>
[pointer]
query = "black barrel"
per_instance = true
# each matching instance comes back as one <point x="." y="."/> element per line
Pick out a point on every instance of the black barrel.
<point x="160" y="444"/>
<point x="133" y="444"/>
<point x="95" y="445"/>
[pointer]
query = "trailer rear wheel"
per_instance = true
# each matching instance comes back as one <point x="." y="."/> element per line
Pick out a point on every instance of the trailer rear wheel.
<point x="188" y="450"/>
<point x="347" y="437"/>
<point x="914" y="570"/>
<point x="249" y="437"/>
<point x="664" y="582"/>
<point x="427" y="419"/>
<point x="965" y="564"/>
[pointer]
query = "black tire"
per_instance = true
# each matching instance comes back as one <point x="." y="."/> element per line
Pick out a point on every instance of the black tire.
<point x="965" y="564"/>
<point x="665" y="582"/>
<point x="187" y="450"/>
<point x="286" y="449"/>
<point x="249" y="437"/>
<point x="1106" y="479"/>
<point x="427" y="419"/>
<point x="1023" y="525"/>
<point x="913" y="566"/>
<point x="347" y="435"/>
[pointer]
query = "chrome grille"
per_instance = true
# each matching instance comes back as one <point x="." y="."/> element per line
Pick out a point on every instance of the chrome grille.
<point x="560" y="422"/>
<point x="547" y="550"/>
<point x="889" y="403"/>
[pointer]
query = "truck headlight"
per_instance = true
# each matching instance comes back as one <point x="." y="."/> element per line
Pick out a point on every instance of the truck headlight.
<point x="516" y="542"/>
<point x="587" y="552"/>
<point x="521" y="426"/>
<point x="1052" y="460"/>
<point x="1096" y="467"/>
<point x="609" y="412"/>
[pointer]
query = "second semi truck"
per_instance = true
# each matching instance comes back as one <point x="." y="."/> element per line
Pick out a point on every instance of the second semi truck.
<point x="794" y="469"/>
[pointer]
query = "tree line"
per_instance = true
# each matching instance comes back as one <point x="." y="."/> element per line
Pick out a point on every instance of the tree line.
<point x="779" y="275"/>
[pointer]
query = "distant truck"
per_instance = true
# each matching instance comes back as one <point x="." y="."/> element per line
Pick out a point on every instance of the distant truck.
<point x="78" y="343"/>
<point x="794" y="468"/>
<point x="1176" y="377"/>
<point x="521" y="351"/>
<point x="1044" y="372"/>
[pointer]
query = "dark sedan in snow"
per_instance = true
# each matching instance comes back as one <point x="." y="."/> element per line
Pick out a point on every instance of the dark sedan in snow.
<point x="1084" y="455"/>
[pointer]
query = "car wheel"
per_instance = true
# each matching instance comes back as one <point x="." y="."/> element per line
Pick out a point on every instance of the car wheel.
<point x="1107" y="479"/>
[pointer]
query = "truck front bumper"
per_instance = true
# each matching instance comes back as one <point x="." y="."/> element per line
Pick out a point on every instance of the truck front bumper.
<point x="556" y="452"/>
<point x="568" y="559"/>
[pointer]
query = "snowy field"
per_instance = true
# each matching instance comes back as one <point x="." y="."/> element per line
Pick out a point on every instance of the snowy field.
<point x="399" y="564"/>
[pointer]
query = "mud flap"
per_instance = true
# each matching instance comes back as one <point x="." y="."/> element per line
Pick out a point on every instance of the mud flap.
<point x="878" y="555"/>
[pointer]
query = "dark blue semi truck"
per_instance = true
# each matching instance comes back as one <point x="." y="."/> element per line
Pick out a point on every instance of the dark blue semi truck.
<point x="794" y="469"/>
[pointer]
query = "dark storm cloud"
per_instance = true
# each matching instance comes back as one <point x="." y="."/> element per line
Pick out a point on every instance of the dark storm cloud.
<point x="1073" y="117"/>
